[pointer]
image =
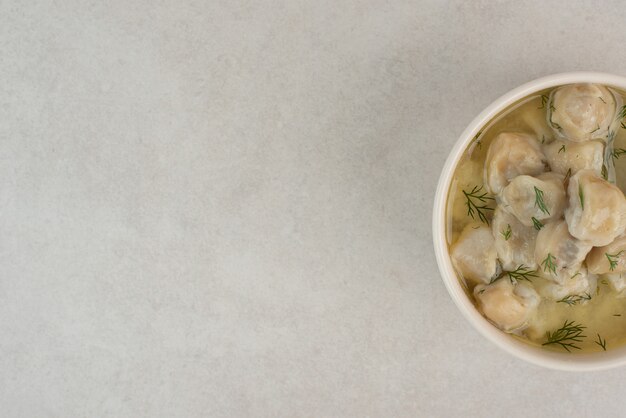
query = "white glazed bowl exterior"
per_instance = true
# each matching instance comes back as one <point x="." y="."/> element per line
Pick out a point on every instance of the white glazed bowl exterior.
<point x="536" y="355"/>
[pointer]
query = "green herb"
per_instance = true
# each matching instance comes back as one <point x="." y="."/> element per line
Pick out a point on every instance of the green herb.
<point x="602" y="100"/>
<point x="476" y="203"/>
<point x="595" y="130"/>
<point x="544" y="100"/>
<point x="567" y="176"/>
<point x="581" y="196"/>
<point x="604" y="282"/>
<point x="539" y="202"/>
<point x="549" y="264"/>
<point x="601" y="342"/>
<point x="562" y="149"/>
<point x="613" y="259"/>
<point x="476" y="140"/>
<point x="567" y="336"/>
<point x="604" y="172"/>
<point x="621" y="114"/>
<point x="577" y="274"/>
<point x="618" y="152"/>
<point x="521" y="273"/>
<point x="574" y="299"/>
<point x="537" y="223"/>
<point x="507" y="232"/>
<point x="543" y="139"/>
<point x="622" y="124"/>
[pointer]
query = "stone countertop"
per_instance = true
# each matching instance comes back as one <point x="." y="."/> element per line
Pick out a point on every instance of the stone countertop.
<point x="223" y="208"/>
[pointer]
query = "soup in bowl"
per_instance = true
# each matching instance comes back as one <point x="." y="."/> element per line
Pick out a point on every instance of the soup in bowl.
<point x="529" y="222"/>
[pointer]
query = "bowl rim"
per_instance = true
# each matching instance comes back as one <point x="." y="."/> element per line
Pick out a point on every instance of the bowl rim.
<point x="535" y="355"/>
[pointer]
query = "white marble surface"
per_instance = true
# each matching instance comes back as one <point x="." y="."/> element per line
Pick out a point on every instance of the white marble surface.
<point x="223" y="208"/>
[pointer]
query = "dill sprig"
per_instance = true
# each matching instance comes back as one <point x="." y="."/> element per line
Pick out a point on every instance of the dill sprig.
<point x="595" y="130"/>
<point x="537" y="223"/>
<point x="621" y="114"/>
<point x="601" y="99"/>
<point x="618" y="152"/>
<point x="544" y="101"/>
<point x="521" y="273"/>
<point x="476" y="203"/>
<point x="604" y="172"/>
<point x="507" y="232"/>
<point x="567" y="176"/>
<point x="567" y="336"/>
<point x="622" y="125"/>
<point x="562" y="149"/>
<point x="601" y="342"/>
<point x="581" y="196"/>
<point x="549" y="264"/>
<point x="476" y="139"/>
<point x="539" y="202"/>
<point x="574" y="299"/>
<point x="613" y="259"/>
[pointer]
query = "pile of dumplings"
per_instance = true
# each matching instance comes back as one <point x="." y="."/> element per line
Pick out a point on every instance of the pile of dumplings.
<point x="557" y="214"/>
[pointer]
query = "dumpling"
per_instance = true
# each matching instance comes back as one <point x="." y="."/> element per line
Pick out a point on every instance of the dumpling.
<point x="558" y="254"/>
<point x="508" y="305"/>
<point x="564" y="156"/>
<point x="597" y="209"/>
<point x="542" y="198"/>
<point x="474" y="254"/>
<point x="608" y="259"/>
<point x="617" y="282"/>
<point x="510" y="155"/>
<point x="582" y="284"/>
<point x="580" y="112"/>
<point x="514" y="241"/>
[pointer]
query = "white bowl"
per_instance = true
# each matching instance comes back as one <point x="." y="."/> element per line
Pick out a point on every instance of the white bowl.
<point x="561" y="361"/>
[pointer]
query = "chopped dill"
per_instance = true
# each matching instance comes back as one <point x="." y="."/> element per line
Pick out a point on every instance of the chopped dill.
<point x="507" y="232"/>
<point x="567" y="176"/>
<point x="574" y="299"/>
<point x="567" y="336"/>
<point x="562" y="149"/>
<point x="618" y="152"/>
<point x="601" y="342"/>
<point x="476" y="203"/>
<point x="521" y="273"/>
<point x="539" y="202"/>
<point x="622" y="125"/>
<point x="595" y="130"/>
<point x="621" y="114"/>
<point x="613" y="259"/>
<point x="544" y="100"/>
<point x="604" y="172"/>
<point x="537" y="223"/>
<point x="602" y="100"/>
<point x="549" y="264"/>
<point x="581" y="196"/>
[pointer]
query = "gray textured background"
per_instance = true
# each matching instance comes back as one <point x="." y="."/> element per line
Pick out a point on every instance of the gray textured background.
<point x="224" y="208"/>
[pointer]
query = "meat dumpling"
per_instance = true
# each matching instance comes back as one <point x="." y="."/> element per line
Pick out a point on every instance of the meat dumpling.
<point x="608" y="259"/>
<point x="511" y="155"/>
<point x="597" y="209"/>
<point x="580" y="112"/>
<point x="508" y="305"/>
<point x="581" y="284"/>
<point x="542" y="198"/>
<point x="514" y="241"/>
<point x="564" y="156"/>
<point x="558" y="254"/>
<point x="474" y="254"/>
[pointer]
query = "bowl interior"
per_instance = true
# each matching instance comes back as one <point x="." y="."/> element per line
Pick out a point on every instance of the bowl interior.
<point x="562" y="361"/>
